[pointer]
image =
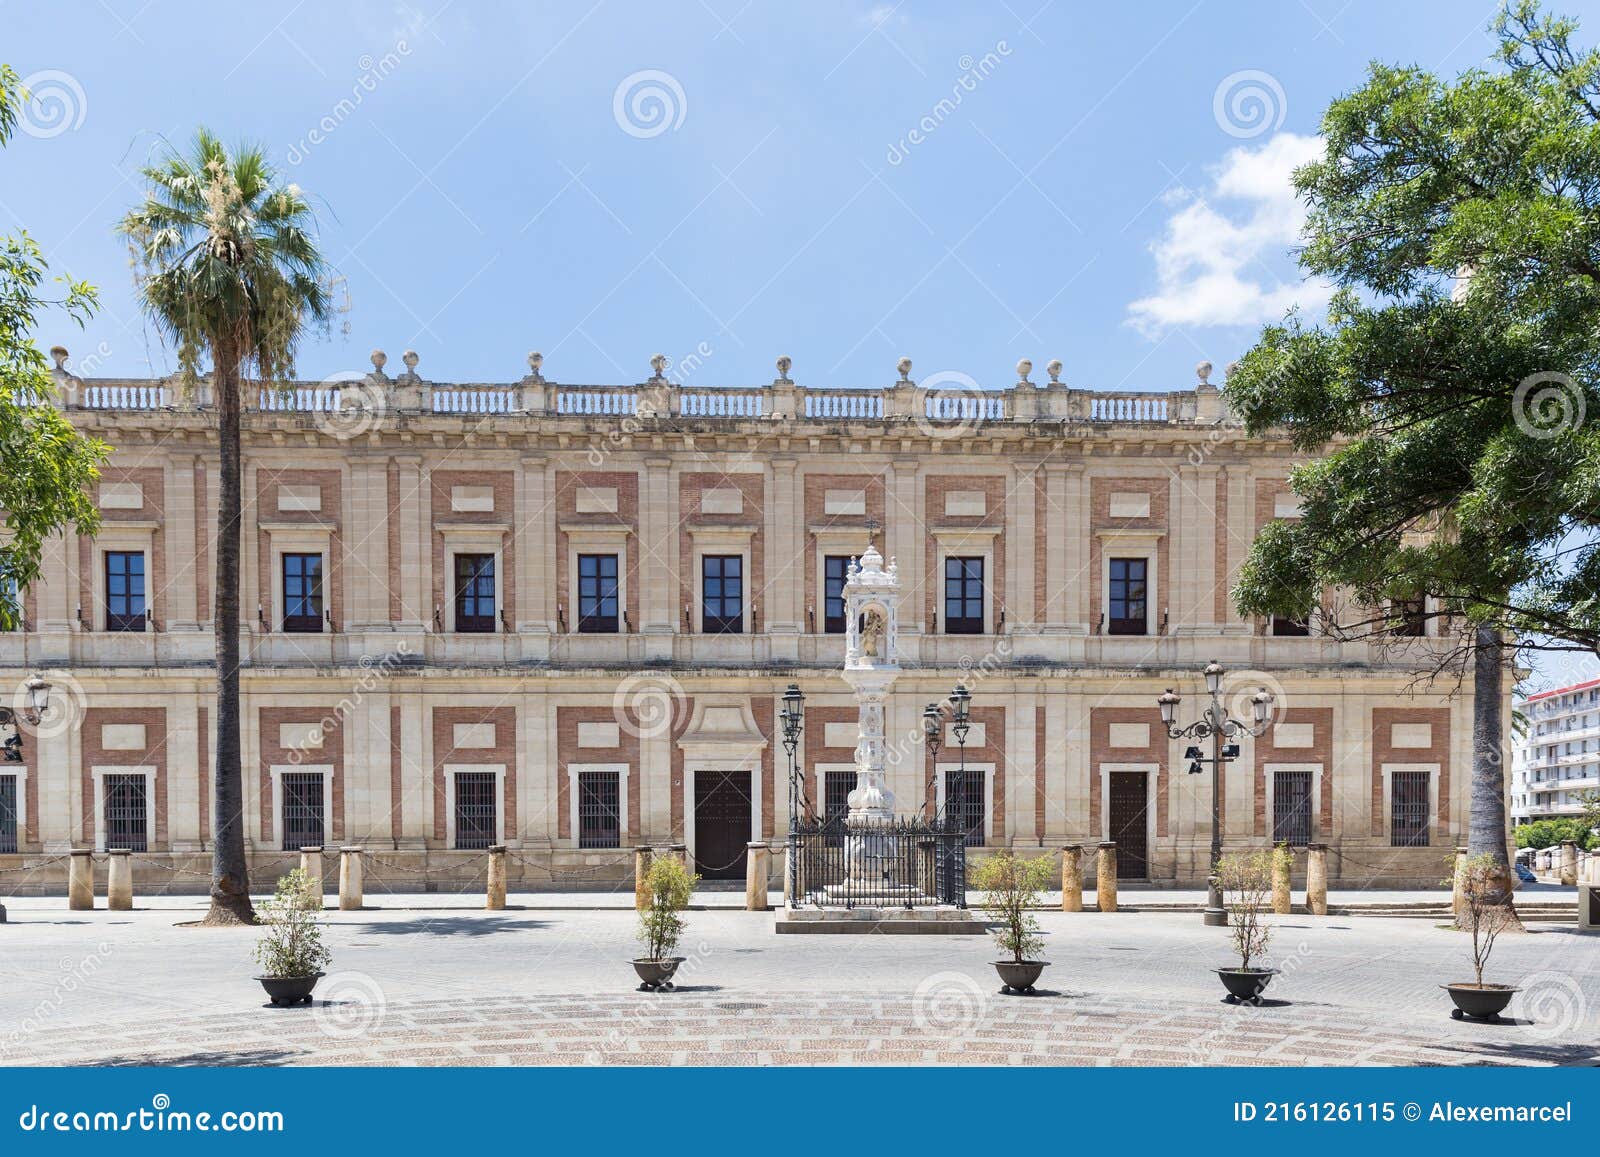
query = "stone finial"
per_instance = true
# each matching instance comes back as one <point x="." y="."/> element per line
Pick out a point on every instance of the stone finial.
<point x="535" y="365"/>
<point x="904" y="366"/>
<point x="658" y="363"/>
<point x="1233" y="368"/>
<point x="1203" y="372"/>
<point x="784" y="363"/>
<point x="379" y="360"/>
<point x="411" y="360"/>
<point x="1054" y="370"/>
<point x="1024" y="368"/>
<point x="59" y="354"/>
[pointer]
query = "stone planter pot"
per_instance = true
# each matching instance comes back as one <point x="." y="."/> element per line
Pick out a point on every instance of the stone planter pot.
<point x="1019" y="977"/>
<point x="285" y="990"/>
<point x="1484" y="1002"/>
<point x="1245" y="985"/>
<point x="656" y="975"/>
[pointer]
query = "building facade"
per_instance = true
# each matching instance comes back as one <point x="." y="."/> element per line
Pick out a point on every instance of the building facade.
<point x="1558" y="760"/>
<point x="561" y="617"/>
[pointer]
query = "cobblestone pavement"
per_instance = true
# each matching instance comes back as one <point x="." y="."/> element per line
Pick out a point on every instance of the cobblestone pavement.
<point x="458" y="987"/>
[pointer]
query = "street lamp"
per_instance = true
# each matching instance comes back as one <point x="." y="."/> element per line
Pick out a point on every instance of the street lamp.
<point x="1215" y="724"/>
<point x="960" y="722"/>
<point x="793" y="716"/>
<point x="37" y="699"/>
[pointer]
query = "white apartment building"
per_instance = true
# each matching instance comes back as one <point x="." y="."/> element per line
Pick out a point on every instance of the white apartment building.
<point x="1558" y="760"/>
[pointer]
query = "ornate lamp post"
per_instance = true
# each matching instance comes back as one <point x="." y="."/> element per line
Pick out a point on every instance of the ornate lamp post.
<point x="793" y="716"/>
<point x="1215" y="724"/>
<point x="960" y="722"/>
<point x="37" y="693"/>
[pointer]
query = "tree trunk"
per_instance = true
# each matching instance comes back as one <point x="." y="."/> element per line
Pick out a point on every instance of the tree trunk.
<point x="230" y="882"/>
<point x="1486" y="825"/>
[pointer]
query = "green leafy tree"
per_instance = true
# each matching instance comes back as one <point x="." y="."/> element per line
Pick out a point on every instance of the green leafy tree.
<point x="1445" y="394"/>
<point x="1549" y="833"/>
<point x="46" y="467"/>
<point x="228" y="269"/>
<point x="1011" y="886"/>
<point x="670" y="887"/>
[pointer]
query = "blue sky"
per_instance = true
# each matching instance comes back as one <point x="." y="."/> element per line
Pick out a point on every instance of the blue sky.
<point x="843" y="182"/>
<point x="1090" y="189"/>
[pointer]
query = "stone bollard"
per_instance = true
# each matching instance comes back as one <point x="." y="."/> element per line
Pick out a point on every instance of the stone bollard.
<point x="1105" y="877"/>
<point x="681" y="851"/>
<point x="641" y="869"/>
<point x="757" y="865"/>
<point x="1569" y="862"/>
<point x="1072" y="878"/>
<point x="1282" y="893"/>
<point x="350" y="879"/>
<point x="80" y="881"/>
<point x="495" y="900"/>
<point x="311" y="865"/>
<point x="1457" y="886"/>
<point x="1317" y="879"/>
<point x="119" y="881"/>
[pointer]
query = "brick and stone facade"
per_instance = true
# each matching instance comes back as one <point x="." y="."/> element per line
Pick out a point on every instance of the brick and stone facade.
<point x="597" y="739"/>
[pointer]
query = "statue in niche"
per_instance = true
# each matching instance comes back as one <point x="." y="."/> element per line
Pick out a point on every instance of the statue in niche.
<point x="873" y="628"/>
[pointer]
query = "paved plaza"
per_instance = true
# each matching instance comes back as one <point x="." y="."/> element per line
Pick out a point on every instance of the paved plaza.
<point x="451" y="984"/>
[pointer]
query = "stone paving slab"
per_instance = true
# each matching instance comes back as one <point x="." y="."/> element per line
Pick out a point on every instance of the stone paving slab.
<point x="973" y="1027"/>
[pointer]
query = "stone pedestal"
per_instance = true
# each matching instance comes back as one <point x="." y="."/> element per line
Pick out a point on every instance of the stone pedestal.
<point x="1282" y="895"/>
<point x="311" y="865"/>
<point x="119" y="881"/>
<point x="1105" y="877"/>
<point x="641" y="869"/>
<point x="80" y="881"/>
<point x="757" y="863"/>
<point x="350" y="884"/>
<point x="1569" y="862"/>
<point x="495" y="898"/>
<point x="1072" y="878"/>
<point x="1317" y="879"/>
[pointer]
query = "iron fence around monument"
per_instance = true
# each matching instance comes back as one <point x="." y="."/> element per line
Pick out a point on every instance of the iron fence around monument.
<point x="907" y="863"/>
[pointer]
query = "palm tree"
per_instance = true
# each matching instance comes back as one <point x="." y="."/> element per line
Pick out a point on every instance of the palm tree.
<point x="1486" y="820"/>
<point x="228" y="269"/>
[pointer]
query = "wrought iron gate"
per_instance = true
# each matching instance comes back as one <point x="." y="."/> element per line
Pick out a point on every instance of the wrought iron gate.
<point x="302" y="810"/>
<point x="1291" y="808"/>
<point x="126" y="814"/>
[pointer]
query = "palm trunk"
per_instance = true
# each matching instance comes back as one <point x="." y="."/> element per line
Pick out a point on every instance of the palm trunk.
<point x="1486" y="825"/>
<point x="230" y="883"/>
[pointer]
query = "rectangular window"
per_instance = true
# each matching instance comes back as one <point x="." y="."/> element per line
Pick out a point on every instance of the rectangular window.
<point x="722" y="594"/>
<point x="963" y="596"/>
<point x="125" y="590"/>
<point x="834" y="572"/>
<point x="9" y="822"/>
<point x="1408" y="809"/>
<point x="1290" y="628"/>
<point x="964" y="803"/>
<point x="302" y="810"/>
<point x="599" y="809"/>
<point x="1413" y="618"/>
<point x="302" y="593"/>
<point x="475" y="593"/>
<point x="126" y="813"/>
<point x="1128" y="617"/>
<point x="597" y="594"/>
<point x="1291" y="808"/>
<point x="476" y="809"/>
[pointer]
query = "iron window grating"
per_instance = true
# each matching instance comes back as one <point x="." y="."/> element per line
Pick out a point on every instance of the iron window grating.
<point x="599" y="809"/>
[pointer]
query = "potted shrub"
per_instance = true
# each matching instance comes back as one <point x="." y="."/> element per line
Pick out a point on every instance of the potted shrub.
<point x="291" y="952"/>
<point x="1485" y="914"/>
<point x="669" y="886"/>
<point x="1246" y="883"/>
<point x="1011" y="887"/>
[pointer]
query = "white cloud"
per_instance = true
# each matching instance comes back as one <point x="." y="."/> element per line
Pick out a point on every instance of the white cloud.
<point x="1220" y="266"/>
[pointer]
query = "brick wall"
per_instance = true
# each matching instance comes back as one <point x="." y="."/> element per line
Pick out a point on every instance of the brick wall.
<point x="96" y="754"/>
<point x="626" y="518"/>
<point x="1384" y="751"/>
<point x="935" y="488"/>
<point x="1320" y="719"/>
<point x="691" y="487"/>
<point x="330" y="728"/>
<point x="1100" y="519"/>
<point x="504" y="751"/>
<point x="1101" y="752"/>
<point x="568" y="752"/>
<point x="330" y="487"/>
<point x="503" y="484"/>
